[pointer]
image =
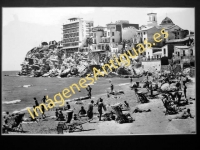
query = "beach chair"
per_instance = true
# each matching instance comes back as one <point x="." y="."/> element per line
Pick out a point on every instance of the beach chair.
<point x="169" y="109"/>
<point x="14" y="123"/>
<point x="121" y="118"/>
<point x="141" y="97"/>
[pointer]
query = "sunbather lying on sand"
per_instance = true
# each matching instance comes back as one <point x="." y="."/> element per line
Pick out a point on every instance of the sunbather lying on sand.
<point x="138" y="110"/>
<point x="184" y="115"/>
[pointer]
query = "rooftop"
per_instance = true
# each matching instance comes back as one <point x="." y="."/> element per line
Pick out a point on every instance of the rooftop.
<point x="111" y="23"/>
<point x="151" y="13"/>
<point x="147" y="28"/>
<point x="167" y="21"/>
<point x="99" y="27"/>
<point x="177" y="40"/>
<point x="74" y="18"/>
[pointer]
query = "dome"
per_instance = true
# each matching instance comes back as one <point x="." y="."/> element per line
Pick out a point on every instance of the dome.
<point x="167" y="21"/>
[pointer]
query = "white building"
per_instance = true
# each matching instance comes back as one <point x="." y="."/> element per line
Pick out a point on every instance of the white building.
<point x="75" y="32"/>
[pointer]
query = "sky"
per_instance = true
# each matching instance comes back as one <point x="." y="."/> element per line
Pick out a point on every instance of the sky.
<point x="24" y="28"/>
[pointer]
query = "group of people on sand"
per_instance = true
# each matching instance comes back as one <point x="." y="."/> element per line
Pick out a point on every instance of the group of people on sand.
<point x="172" y="100"/>
<point x="88" y="114"/>
<point x="82" y="112"/>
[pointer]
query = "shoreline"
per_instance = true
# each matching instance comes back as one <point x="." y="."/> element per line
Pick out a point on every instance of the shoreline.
<point x="154" y="122"/>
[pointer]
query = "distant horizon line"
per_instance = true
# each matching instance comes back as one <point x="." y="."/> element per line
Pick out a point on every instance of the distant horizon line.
<point x="10" y="70"/>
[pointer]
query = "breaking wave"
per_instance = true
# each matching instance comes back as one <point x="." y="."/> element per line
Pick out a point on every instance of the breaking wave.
<point x="11" y="102"/>
<point x="22" y="110"/>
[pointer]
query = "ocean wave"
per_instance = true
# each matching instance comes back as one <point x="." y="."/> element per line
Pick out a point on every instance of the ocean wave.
<point x="12" y="102"/>
<point x="26" y="86"/>
<point x="22" y="110"/>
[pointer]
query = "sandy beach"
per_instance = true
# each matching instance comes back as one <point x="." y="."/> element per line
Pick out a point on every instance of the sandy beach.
<point x="154" y="122"/>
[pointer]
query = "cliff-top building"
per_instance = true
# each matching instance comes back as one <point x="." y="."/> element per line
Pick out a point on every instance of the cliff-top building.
<point x="75" y="31"/>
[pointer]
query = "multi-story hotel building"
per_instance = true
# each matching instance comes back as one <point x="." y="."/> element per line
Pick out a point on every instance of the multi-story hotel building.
<point x="74" y="34"/>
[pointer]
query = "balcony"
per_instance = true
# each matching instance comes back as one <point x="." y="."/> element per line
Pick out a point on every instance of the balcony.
<point x="150" y="59"/>
<point x="105" y="40"/>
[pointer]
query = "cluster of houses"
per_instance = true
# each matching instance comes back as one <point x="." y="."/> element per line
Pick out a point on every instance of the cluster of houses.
<point x="98" y="43"/>
<point x="122" y="36"/>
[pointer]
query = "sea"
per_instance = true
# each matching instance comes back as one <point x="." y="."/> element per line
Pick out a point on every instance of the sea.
<point x="18" y="91"/>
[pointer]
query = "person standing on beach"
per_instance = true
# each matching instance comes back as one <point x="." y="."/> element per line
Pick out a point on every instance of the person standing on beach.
<point x="131" y="80"/>
<point x="35" y="117"/>
<point x="151" y="88"/>
<point x="111" y="87"/>
<point x="90" y="111"/>
<point x="185" y="90"/>
<point x="100" y="107"/>
<point x="44" y="99"/>
<point x="43" y="114"/>
<point x="89" y="89"/>
<point x="36" y="102"/>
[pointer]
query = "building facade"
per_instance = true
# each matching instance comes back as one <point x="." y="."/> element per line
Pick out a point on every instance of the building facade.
<point x="75" y="33"/>
<point x="110" y="38"/>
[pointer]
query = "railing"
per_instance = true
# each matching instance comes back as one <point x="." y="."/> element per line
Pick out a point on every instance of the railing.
<point x="150" y="59"/>
<point x="192" y="58"/>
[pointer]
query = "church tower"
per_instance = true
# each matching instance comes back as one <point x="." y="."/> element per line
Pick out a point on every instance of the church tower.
<point x="152" y="19"/>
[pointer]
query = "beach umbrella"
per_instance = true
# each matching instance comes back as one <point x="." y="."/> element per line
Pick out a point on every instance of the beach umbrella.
<point x="165" y="87"/>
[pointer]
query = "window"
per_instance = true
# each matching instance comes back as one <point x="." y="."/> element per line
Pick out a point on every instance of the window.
<point x="191" y="52"/>
<point x="113" y="40"/>
<point x="112" y="33"/>
<point x="102" y="47"/>
<point x="105" y="33"/>
<point x="164" y="51"/>
<point x="144" y="33"/>
<point x="183" y="52"/>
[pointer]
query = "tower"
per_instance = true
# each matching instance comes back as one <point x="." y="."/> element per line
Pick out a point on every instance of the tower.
<point x="152" y="19"/>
